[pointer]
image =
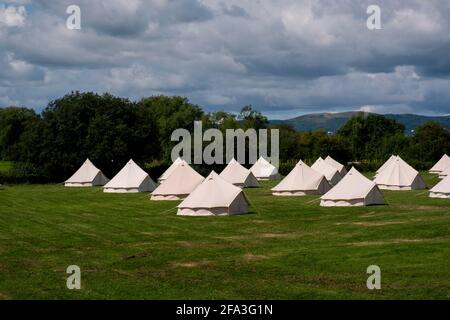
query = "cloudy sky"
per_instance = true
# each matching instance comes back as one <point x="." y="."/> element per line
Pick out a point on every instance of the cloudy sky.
<point x="286" y="58"/>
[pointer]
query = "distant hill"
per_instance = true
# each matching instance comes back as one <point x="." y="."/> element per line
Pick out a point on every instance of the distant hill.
<point x="333" y="121"/>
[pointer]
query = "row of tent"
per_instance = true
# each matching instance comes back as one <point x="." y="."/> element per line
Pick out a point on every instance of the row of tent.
<point x="222" y="194"/>
<point x="131" y="178"/>
<point x="407" y="178"/>
<point x="180" y="181"/>
<point x="352" y="188"/>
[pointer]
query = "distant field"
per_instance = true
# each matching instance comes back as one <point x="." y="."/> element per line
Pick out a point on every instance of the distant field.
<point x="288" y="248"/>
<point x="5" y="166"/>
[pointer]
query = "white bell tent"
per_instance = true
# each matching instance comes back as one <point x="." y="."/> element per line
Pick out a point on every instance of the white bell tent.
<point x="399" y="175"/>
<point x="340" y="167"/>
<point x="441" y="165"/>
<point x="442" y="189"/>
<point x="214" y="196"/>
<point x="386" y="164"/>
<point x="87" y="175"/>
<point x="302" y="180"/>
<point x="179" y="184"/>
<point x="130" y="179"/>
<point x="331" y="173"/>
<point x="264" y="170"/>
<point x="238" y="175"/>
<point x="353" y="190"/>
<point x="172" y="167"/>
<point x="444" y="173"/>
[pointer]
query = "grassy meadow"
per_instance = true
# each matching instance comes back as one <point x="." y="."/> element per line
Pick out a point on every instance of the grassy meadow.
<point x="129" y="247"/>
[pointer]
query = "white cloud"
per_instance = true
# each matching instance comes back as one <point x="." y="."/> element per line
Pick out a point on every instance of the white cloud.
<point x="15" y="71"/>
<point x="12" y="16"/>
<point x="218" y="99"/>
<point x="6" y="101"/>
<point x="416" y="21"/>
<point x="391" y="109"/>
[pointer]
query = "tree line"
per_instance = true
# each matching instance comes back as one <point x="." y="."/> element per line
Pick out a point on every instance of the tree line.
<point x="50" y="145"/>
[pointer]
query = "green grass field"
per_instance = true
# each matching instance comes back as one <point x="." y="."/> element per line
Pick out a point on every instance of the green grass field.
<point x="288" y="248"/>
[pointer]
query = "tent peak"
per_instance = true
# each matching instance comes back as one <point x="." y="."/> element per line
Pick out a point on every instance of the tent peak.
<point x="131" y="161"/>
<point x="263" y="158"/>
<point x="212" y="175"/>
<point x="353" y="170"/>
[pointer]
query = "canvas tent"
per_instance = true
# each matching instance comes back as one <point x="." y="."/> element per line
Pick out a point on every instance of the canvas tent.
<point x="441" y="165"/>
<point x="130" y="179"/>
<point x="214" y="196"/>
<point x="444" y="173"/>
<point x="238" y="175"/>
<point x="442" y="189"/>
<point x="302" y="180"/>
<point x="169" y="170"/>
<point x="264" y="170"/>
<point x="340" y="167"/>
<point x="399" y="175"/>
<point x="353" y="190"/>
<point x="180" y="183"/>
<point x="386" y="164"/>
<point x="331" y="173"/>
<point x="87" y="176"/>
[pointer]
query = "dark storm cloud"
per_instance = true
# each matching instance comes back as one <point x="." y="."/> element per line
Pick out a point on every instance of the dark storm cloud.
<point x="284" y="57"/>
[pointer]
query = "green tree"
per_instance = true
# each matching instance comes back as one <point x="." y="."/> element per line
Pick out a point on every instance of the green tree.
<point x="169" y="114"/>
<point x="429" y="142"/>
<point x="220" y="120"/>
<point x="14" y="123"/>
<point x="82" y="125"/>
<point x="366" y="135"/>
<point x="289" y="146"/>
<point x="252" y="119"/>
